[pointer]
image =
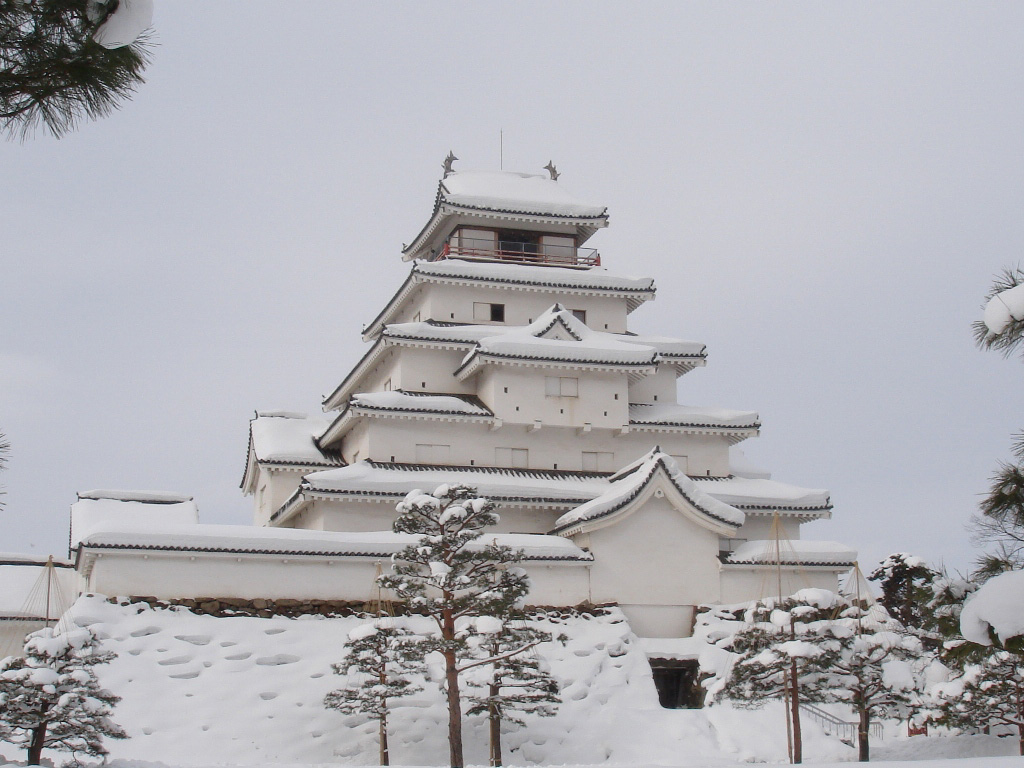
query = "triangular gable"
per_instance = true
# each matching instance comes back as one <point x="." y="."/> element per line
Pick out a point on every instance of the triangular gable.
<point x="633" y="485"/>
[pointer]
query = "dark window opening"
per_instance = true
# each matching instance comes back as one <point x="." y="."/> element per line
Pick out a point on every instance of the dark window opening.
<point x="517" y="241"/>
<point x="498" y="313"/>
<point x="677" y="683"/>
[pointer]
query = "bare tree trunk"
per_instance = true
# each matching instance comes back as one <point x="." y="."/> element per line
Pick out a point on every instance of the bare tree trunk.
<point x="863" y="748"/>
<point x="494" y="718"/>
<point x="385" y="758"/>
<point x="451" y="676"/>
<point x="794" y="703"/>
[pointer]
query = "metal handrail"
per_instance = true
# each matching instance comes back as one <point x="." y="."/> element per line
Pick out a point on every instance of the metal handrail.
<point x="845" y="730"/>
<point x="523" y="253"/>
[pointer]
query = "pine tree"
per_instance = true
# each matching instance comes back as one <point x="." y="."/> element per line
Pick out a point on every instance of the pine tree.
<point x="520" y="683"/>
<point x="775" y="654"/>
<point x="989" y="693"/>
<point x="1009" y="338"/>
<point x="382" y="654"/>
<point x="849" y="654"/>
<point x="450" y="576"/>
<point x="1001" y="522"/>
<point x="868" y="663"/>
<point x="905" y="581"/>
<point x="51" y="699"/>
<point x="52" y="70"/>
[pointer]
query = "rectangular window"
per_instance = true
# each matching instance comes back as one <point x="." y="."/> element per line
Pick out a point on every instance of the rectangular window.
<point x="387" y="385"/>
<point x="428" y="453"/>
<point x="683" y="462"/>
<point x="598" y="461"/>
<point x="488" y="313"/>
<point x="580" y="314"/>
<point x="512" y="457"/>
<point x="561" y="386"/>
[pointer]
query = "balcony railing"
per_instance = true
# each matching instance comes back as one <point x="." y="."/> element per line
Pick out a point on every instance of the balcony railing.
<point x="520" y="253"/>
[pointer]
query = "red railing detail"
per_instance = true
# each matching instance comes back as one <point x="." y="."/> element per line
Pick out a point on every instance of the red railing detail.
<point x="522" y="253"/>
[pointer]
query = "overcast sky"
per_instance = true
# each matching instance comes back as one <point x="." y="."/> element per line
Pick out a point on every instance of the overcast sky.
<point x="823" y="193"/>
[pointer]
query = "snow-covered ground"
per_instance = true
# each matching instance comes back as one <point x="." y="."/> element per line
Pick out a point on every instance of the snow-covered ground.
<point x="201" y="690"/>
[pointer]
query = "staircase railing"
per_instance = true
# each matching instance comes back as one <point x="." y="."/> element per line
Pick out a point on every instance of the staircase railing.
<point x="832" y="725"/>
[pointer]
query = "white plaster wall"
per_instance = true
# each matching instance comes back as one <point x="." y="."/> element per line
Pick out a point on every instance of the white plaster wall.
<point x="658" y="388"/>
<point x="179" y="575"/>
<point x="742" y="585"/>
<point x="175" y="575"/>
<point x="357" y="443"/>
<point x="760" y="527"/>
<point x="660" y="620"/>
<point x="428" y="370"/>
<point x="655" y="556"/>
<point x="336" y="515"/>
<point x="526" y="401"/>
<point x="454" y="304"/>
<point x="550" y="447"/>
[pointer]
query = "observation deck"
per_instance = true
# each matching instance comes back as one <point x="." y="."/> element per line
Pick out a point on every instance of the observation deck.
<point x="516" y="252"/>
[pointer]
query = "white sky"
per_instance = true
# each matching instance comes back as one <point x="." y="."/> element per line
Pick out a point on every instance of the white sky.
<point x="822" y="192"/>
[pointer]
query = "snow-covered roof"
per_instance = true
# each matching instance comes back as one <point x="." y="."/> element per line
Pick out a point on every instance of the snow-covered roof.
<point x="793" y="552"/>
<point x="239" y="539"/>
<point x="754" y="495"/>
<point x="558" y="337"/>
<point x="626" y="485"/>
<point x="101" y="510"/>
<point x="505" y="196"/>
<point x="674" y="415"/>
<point x="285" y="438"/>
<point x="289" y="438"/>
<point x="420" y="402"/>
<point x="406" y="404"/>
<point x="393" y="481"/>
<point x="464" y="336"/>
<point x="553" y="489"/>
<point x="594" y="281"/>
<point x="514" y="192"/>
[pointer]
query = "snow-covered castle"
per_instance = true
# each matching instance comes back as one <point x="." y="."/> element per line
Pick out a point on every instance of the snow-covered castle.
<point x="504" y="361"/>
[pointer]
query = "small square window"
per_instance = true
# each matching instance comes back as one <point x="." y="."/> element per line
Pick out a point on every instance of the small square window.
<point x="580" y="314"/>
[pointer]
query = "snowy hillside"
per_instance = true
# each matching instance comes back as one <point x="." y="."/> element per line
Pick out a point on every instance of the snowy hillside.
<point x="201" y="689"/>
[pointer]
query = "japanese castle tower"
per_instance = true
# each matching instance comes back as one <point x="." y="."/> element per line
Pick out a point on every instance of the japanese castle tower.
<point x="504" y="361"/>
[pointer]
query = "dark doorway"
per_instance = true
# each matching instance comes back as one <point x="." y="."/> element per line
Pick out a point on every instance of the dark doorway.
<point x="677" y="683"/>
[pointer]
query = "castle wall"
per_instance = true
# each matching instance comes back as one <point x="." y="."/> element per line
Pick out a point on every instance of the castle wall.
<point x="549" y="447"/>
<point x="454" y="304"/>
<point x="179" y="575"/>
<point x="655" y="556"/>
<point x="524" y="395"/>
<point x="659" y="388"/>
<point x="743" y="584"/>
